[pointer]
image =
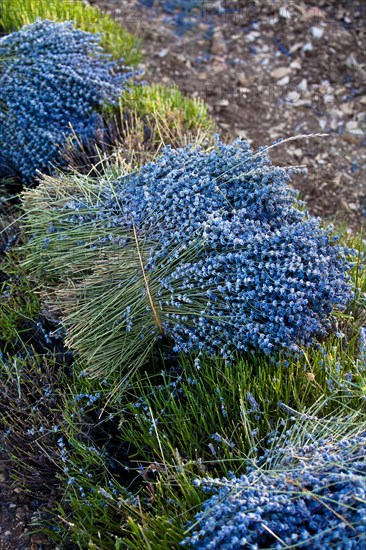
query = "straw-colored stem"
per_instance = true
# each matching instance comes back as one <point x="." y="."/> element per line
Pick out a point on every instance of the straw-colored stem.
<point x="146" y="281"/>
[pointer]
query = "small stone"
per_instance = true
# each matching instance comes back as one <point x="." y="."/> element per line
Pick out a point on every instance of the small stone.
<point x="284" y="12"/>
<point x="328" y="98"/>
<point x="284" y="81"/>
<point x="358" y="132"/>
<point x="224" y="103"/>
<point x="298" y="153"/>
<point x="308" y="47"/>
<point x="292" y="96"/>
<point x="362" y="100"/>
<point x="336" y="118"/>
<point x="296" y="47"/>
<point x="334" y="123"/>
<point x="242" y="134"/>
<point x="202" y="76"/>
<point x="347" y="108"/>
<point x="336" y="113"/>
<point x="351" y="126"/>
<point x="164" y="52"/>
<point x="317" y="32"/>
<point x="203" y="27"/>
<point x="252" y="36"/>
<point x="21" y="514"/>
<point x="295" y="65"/>
<point x="218" y="66"/>
<point x="218" y="46"/>
<point x="243" y="80"/>
<point x="322" y="123"/>
<point x="351" y="61"/>
<point x="281" y="72"/>
<point x="303" y="85"/>
<point x="3" y="474"/>
<point x="181" y="58"/>
<point x="302" y="103"/>
<point x="353" y="133"/>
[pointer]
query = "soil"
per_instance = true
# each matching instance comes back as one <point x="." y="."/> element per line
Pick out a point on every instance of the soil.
<point x="267" y="70"/>
<point x="270" y="70"/>
<point x="17" y="512"/>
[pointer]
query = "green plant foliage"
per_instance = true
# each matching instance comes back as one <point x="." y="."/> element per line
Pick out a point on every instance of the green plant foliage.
<point x="169" y="107"/>
<point x="221" y="412"/>
<point x="30" y="416"/>
<point x="110" y="505"/>
<point x="19" y="310"/>
<point x="117" y="41"/>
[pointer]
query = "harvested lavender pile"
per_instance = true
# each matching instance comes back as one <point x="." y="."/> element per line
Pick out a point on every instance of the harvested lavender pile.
<point x="231" y="261"/>
<point x="54" y="80"/>
<point x="316" y="501"/>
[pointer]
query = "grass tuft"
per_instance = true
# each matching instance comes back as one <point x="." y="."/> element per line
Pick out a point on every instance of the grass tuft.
<point x="169" y="107"/>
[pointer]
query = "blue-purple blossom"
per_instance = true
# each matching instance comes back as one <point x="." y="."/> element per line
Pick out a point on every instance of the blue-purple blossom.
<point x="53" y="78"/>
<point x="316" y="501"/>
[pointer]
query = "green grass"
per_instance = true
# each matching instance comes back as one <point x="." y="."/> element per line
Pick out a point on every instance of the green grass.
<point x="147" y="502"/>
<point x="30" y="390"/>
<point x="169" y="107"/>
<point x="116" y="40"/>
<point x="20" y="306"/>
<point x="215" y="400"/>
